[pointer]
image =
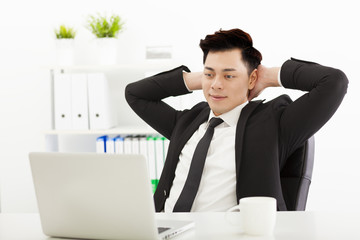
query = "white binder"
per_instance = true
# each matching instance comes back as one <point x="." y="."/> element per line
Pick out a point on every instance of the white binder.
<point x="159" y="148"/>
<point x="62" y="101"/>
<point x="135" y="148"/>
<point x="119" y="144"/>
<point x="101" y="144"/>
<point x="101" y="112"/>
<point x="128" y="145"/>
<point x="152" y="162"/>
<point x="143" y="144"/>
<point x="79" y="107"/>
<point x="110" y="145"/>
<point x="166" y="147"/>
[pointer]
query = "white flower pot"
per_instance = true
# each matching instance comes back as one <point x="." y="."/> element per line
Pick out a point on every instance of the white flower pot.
<point x="65" y="52"/>
<point x="107" y="51"/>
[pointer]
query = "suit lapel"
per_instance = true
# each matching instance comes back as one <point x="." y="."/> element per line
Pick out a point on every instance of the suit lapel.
<point x="189" y="131"/>
<point x="240" y="129"/>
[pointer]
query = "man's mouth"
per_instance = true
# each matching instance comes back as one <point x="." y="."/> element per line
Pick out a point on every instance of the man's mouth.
<point x="217" y="97"/>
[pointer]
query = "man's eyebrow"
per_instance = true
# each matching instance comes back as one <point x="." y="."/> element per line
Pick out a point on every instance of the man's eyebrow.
<point x="229" y="70"/>
<point x="209" y="68"/>
<point x="224" y="70"/>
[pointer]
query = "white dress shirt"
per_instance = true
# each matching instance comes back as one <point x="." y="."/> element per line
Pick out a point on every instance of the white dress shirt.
<point x="217" y="190"/>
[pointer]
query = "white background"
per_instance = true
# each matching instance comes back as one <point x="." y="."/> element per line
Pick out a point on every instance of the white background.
<point x="322" y="31"/>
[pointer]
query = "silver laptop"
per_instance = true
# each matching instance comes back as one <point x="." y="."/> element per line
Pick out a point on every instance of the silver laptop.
<point x="97" y="196"/>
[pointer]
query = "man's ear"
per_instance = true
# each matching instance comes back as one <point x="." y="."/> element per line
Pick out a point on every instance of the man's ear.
<point x="252" y="79"/>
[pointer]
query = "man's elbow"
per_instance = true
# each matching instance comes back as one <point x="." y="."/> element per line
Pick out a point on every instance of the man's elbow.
<point x="128" y="95"/>
<point x="340" y="81"/>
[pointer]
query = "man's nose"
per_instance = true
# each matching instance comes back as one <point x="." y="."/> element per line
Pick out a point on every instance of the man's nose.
<point x="217" y="83"/>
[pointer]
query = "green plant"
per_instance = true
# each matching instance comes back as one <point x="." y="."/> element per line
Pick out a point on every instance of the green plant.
<point x="103" y="27"/>
<point x="65" y="32"/>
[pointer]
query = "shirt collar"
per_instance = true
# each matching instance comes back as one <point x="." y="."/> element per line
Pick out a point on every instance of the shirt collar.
<point x="231" y="117"/>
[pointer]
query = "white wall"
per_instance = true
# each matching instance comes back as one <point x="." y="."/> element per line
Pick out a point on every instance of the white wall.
<point x="321" y="31"/>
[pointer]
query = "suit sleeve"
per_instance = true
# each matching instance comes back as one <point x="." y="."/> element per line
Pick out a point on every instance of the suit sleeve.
<point x="145" y="98"/>
<point x="325" y="89"/>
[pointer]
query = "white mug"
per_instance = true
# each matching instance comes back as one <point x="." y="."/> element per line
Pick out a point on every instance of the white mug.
<point x="257" y="214"/>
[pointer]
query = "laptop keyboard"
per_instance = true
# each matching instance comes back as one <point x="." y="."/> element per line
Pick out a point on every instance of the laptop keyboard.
<point x="162" y="229"/>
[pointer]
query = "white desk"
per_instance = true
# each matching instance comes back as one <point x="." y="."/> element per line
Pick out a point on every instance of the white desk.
<point x="290" y="225"/>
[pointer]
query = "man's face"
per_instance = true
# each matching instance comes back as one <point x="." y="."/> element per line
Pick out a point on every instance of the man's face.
<point x="226" y="82"/>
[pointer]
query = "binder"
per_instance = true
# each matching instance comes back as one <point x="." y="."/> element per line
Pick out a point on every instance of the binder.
<point x="159" y="148"/>
<point x="79" y="100"/>
<point x="143" y="147"/>
<point x="152" y="162"/>
<point x="110" y="145"/>
<point x="101" y="144"/>
<point x="128" y="144"/>
<point x="62" y="101"/>
<point x="101" y="112"/>
<point x="135" y="145"/>
<point x="166" y="147"/>
<point x="119" y="144"/>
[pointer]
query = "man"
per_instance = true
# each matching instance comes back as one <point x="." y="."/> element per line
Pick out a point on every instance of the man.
<point x="250" y="147"/>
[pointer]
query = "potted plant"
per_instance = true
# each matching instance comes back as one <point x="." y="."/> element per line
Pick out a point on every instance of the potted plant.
<point x="65" y="32"/>
<point x="106" y="29"/>
<point x="65" y="45"/>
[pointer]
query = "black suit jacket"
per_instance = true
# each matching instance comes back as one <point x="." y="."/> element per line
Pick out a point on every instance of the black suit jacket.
<point x="266" y="134"/>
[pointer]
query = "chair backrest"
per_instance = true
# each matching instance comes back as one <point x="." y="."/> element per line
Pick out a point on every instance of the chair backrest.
<point x="296" y="176"/>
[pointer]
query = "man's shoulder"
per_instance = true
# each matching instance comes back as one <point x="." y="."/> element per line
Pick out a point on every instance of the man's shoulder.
<point x="197" y="108"/>
<point x="196" y="115"/>
<point x="277" y="103"/>
<point x="188" y="115"/>
<point x="283" y="99"/>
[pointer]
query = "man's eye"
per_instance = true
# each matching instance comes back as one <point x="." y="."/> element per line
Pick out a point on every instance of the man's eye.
<point x="208" y="74"/>
<point x="229" y="76"/>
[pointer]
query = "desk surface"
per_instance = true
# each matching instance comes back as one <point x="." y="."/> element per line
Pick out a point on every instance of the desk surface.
<point x="290" y="225"/>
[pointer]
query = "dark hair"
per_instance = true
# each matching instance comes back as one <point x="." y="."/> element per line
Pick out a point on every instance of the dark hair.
<point x="223" y="40"/>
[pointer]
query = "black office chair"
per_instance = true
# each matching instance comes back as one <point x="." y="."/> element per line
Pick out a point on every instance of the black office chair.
<point x="296" y="176"/>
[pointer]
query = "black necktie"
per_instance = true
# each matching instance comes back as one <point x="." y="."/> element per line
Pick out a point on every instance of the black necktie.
<point x="192" y="183"/>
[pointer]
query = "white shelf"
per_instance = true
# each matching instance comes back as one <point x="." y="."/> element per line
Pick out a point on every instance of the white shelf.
<point x="118" y="130"/>
<point x="74" y="140"/>
<point x="144" y="65"/>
